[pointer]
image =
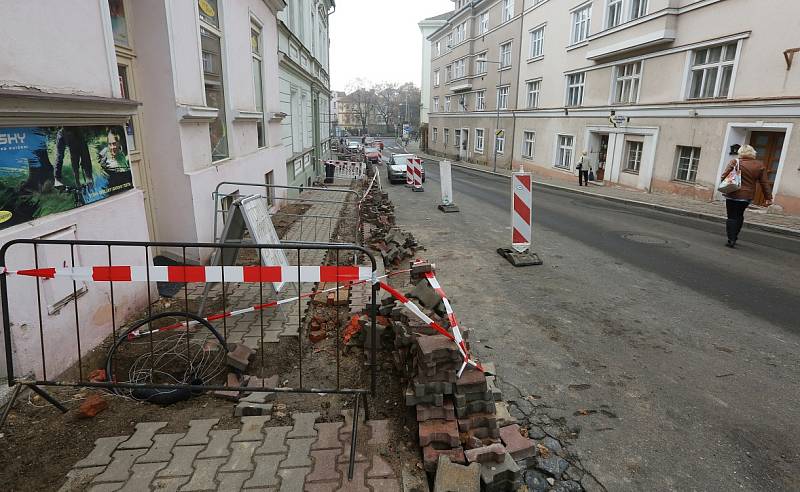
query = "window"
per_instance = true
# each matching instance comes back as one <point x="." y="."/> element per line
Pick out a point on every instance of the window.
<point x="215" y="91"/>
<point x="125" y="91"/>
<point x="533" y="93"/>
<point x="450" y="39"/>
<point x="479" y="140"/>
<point x="575" y="83"/>
<point x="460" y="33"/>
<point x="528" y="141"/>
<point x="462" y="103"/>
<point x="537" y="42"/>
<point x="258" y="84"/>
<point x="483" y="23"/>
<point x="502" y="97"/>
<point x="457" y="140"/>
<point x="613" y="13"/>
<point x="500" y="141"/>
<point x="508" y="10"/>
<point x="712" y="71"/>
<point x="480" y="63"/>
<point x="458" y="69"/>
<point x="436" y="78"/>
<point x="505" y="55"/>
<point x="564" y="151"/>
<point x="480" y="100"/>
<point x="633" y="157"/>
<point x="638" y="9"/>
<point x="627" y="83"/>
<point x="448" y="73"/>
<point x="447" y="104"/>
<point x="435" y="134"/>
<point x="438" y="48"/>
<point x="446" y="136"/>
<point x="688" y="159"/>
<point x="581" y="19"/>
<point x="436" y="104"/>
<point x="119" y="25"/>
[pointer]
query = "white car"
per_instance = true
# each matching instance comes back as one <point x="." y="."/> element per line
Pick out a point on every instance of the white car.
<point x="397" y="167"/>
<point x="353" y="146"/>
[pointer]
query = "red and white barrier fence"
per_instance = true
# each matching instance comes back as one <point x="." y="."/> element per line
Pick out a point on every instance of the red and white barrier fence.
<point x="347" y="169"/>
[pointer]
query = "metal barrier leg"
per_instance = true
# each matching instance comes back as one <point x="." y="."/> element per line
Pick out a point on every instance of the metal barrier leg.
<point x="366" y="408"/>
<point x="353" y="439"/>
<point x="47" y="396"/>
<point x="10" y="404"/>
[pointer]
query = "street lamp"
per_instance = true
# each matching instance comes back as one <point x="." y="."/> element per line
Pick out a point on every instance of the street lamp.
<point x="497" y="103"/>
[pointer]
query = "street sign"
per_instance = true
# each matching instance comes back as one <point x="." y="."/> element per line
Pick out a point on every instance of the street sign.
<point x="616" y="119"/>
<point x="445" y="177"/>
<point x="521" y="211"/>
<point x="500" y="133"/>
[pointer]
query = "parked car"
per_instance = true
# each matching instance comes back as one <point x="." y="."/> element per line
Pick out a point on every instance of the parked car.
<point x="372" y="154"/>
<point x="397" y="168"/>
<point x="378" y="143"/>
<point x="353" y="146"/>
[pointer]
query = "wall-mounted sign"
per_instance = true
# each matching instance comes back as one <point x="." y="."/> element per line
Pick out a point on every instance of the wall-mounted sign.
<point x="617" y="120"/>
<point x="46" y="170"/>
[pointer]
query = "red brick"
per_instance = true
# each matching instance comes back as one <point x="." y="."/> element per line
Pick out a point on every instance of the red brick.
<point x="486" y="454"/>
<point x="428" y="412"/>
<point x="517" y="446"/>
<point x="471" y="381"/>
<point x="478" y="420"/>
<point x="233" y="380"/>
<point x="430" y="456"/>
<point x="93" y="405"/>
<point x="239" y="357"/>
<point x="317" y="335"/>
<point x="484" y="433"/>
<point x="441" y="431"/>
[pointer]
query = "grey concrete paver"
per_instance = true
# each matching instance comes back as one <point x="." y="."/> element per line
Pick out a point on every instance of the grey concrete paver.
<point x="292" y="479"/>
<point x="143" y="474"/>
<point x="203" y="476"/>
<point x="78" y="478"/>
<point x="181" y="463"/>
<point x="101" y="454"/>
<point x="265" y="474"/>
<point x="251" y="428"/>
<point x="231" y="482"/>
<point x="161" y="449"/>
<point x="198" y="432"/>
<point x="241" y="458"/>
<point x="299" y="450"/>
<point x="143" y="437"/>
<point x="274" y="442"/>
<point x="219" y="447"/>
<point x="172" y="484"/>
<point x="303" y="425"/>
<point x="120" y="468"/>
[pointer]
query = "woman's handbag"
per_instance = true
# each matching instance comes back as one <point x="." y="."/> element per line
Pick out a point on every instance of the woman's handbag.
<point x="733" y="181"/>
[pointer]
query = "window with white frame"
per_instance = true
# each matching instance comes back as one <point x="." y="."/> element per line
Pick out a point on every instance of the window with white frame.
<point x="450" y="39"/>
<point x="258" y="85"/>
<point x="528" y="143"/>
<point x="435" y="134"/>
<point x="500" y="141"/>
<point x="638" y="9"/>
<point x="626" y="84"/>
<point x="436" y="104"/>
<point x="502" y="97"/>
<point x="533" y="87"/>
<point x="564" y="150"/>
<point x="688" y="159"/>
<point x="438" y="48"/>
<point x="508" y="10"/>
<point x="446" y="136"/>
<point x="480" y="63"/>
<point x="462" y="103"/>
<point x="537" y="43"/>
<point x="436" y="78"/>
<point x="614" y="12"/>
<point x="211" y="46"/>
<point x="581" y="20"/>
<point x="460" y="32"/>
<point x="712" y="71"/>
<point x="447" y="104"/>
<point x="575" y="84"/>
<point x="483" y="23"/>
<point x="633" y="156"/>
<point x="480" y="100"/>
<point x="479" y="140"/>
<point x="448" y="73"/>
<point x="505" y="55"/>
<point x="458" y="69"/>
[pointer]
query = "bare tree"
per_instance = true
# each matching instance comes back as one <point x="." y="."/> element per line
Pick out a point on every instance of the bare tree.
<point x="386" y="103"/>
<point x="363" y="101"/>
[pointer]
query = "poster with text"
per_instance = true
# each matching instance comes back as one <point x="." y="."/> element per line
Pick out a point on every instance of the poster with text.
<point x="46" y="170"/>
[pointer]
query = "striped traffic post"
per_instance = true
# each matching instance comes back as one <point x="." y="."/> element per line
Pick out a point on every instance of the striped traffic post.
<point x="521" y="212"/>
<point x="417" y="170"/>
<point x="446" y="181"/>
<point x="410" y="173"/>
<point x="521" y="222"/>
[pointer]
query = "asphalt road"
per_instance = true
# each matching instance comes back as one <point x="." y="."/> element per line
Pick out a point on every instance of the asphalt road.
<point x="683" y="354"/>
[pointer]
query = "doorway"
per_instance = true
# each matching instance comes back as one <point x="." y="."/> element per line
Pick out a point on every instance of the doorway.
<point x="464" y="148"/>
<point x="769" y="146"/>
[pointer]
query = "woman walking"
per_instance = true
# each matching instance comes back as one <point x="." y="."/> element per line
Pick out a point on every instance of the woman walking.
<point x="752" y="171"/>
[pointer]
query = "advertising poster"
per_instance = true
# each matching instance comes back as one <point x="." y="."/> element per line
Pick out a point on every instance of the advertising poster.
<point x="46" y="170"/>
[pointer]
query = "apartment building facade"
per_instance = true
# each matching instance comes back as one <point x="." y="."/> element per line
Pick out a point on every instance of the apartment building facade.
<point x="304" y="87"/>
<point x="474" y="82"/>
<point x="658" y="93"/>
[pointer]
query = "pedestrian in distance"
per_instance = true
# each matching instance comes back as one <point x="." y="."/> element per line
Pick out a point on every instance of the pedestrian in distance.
<point x="753" y="172"/>
<point x="583" y="170"/>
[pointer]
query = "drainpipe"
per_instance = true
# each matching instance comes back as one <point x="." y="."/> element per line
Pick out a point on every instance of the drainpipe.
<point x="519" y="71"/>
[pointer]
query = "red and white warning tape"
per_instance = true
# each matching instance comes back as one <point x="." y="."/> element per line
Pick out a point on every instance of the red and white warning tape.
<point x="257" y="307"/>
<point x="183" y="274"/>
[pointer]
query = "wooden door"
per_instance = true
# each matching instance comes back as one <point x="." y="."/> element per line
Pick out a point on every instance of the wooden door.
<point x="768" y="146"/>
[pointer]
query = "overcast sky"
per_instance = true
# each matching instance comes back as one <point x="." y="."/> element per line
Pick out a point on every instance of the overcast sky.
<point x="379" y="40"/>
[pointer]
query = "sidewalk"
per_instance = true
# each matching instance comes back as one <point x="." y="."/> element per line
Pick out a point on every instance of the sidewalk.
<point x="773" y="222"/>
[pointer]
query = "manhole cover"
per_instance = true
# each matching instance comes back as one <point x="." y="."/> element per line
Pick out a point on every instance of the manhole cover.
<point x="644" y="239"/>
